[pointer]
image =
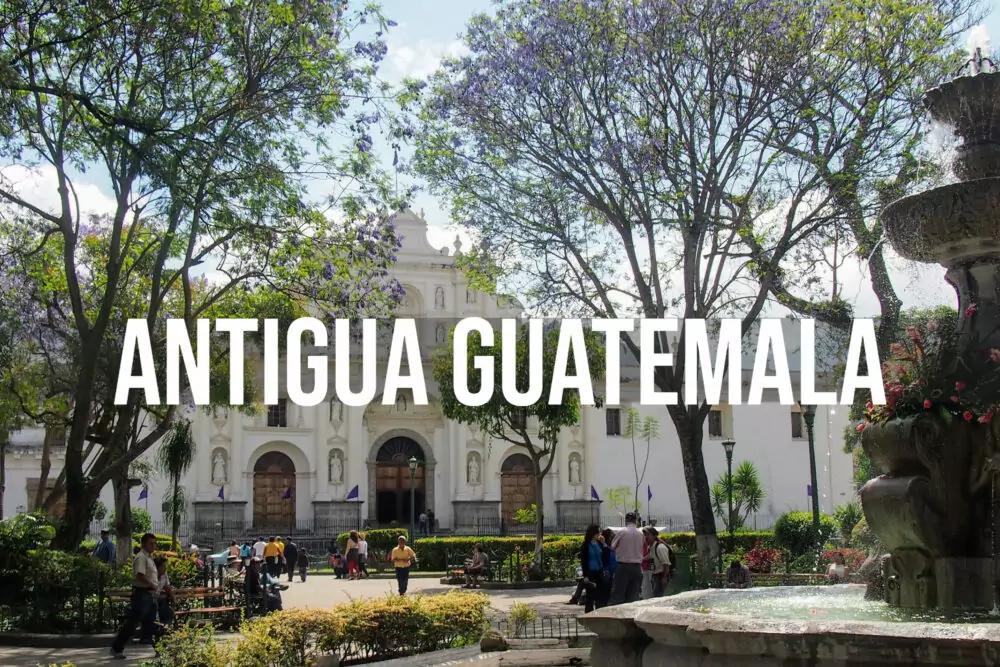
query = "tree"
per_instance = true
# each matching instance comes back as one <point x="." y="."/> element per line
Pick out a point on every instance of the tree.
<point x="535" y="427"/>
<point x="748" y="495"/>
<point x="645" y="430"/>
<point x="205" y="119"/>
<point x="174" y="458"/>
<point x="611" y="156"/>
<point x="861" y="130"/>
<point x="619" y="499"/>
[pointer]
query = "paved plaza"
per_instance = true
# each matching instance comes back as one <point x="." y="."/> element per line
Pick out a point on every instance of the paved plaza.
<point x="317" y="592"/>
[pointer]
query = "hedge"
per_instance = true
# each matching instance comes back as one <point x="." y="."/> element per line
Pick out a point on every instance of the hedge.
<point x="793" y="532"/>
<point x="435" y="554"/>
<point x="385" y="627"/>
<point x="381" y="540"/>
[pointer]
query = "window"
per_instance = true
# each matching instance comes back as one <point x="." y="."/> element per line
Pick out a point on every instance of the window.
<point x="519" y="418"/>
<point x="614" y="419"/>
<point x="277" y="415"/>
<point x="715" y="424"/>
<point x="798" y="432"/>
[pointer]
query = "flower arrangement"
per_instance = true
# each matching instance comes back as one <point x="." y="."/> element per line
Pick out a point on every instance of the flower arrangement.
<point x="938" y="368"/>
<point x="761" y="560"/>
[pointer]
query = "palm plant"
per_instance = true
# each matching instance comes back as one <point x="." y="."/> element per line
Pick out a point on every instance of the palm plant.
<point x="748" y="495"/>
<point x="174" y="458"/>
<point x="645" y="431"/>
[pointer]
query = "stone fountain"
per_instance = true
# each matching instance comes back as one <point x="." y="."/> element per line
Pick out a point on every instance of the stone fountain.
<point x="933" y="509"/>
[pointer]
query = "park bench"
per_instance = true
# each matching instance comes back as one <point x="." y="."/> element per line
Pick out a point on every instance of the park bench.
<point x="457" y="563"/>
<point x="208" y="596"/>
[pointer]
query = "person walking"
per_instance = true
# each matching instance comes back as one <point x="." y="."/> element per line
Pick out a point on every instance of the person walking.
<point x="431" y="527"/>
<point x="403" y="558"/>
<point x="105" y="549"/>
<point x="303" y="563"/>
<point x="647" y="564"/>
<point x="627" y="545"/>
<point x="362" y="556"/>
<point x="272" y="557"/>
<point x="258" y="549"/>
<point x="142" y="610"/>
<point x="352" y="556"/>
<point x="291" y="558"/>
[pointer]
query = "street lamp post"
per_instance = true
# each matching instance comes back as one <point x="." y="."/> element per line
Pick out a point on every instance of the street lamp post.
<point x="729" y="443"/>
<point x="413" y="476"/>
<point x="809" y="416"/>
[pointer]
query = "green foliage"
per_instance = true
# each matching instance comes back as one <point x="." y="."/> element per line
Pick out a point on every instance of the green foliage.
<point x="520" y="617"/>
<point x="793" y="532"/>
<point x="527" y="515"/>
<point x="142" y="521"/>
<point x="620" y="499"/>
<point x="174" y="457"/>
<point x="748" y="495"/>
<point x="98" y="511"/>
<point x="863" y="538"/>
<point x="643" y="430"/>
<point x="847" y="517"/>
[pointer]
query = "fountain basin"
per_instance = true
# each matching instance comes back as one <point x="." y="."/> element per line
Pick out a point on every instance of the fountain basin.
<point x="950" y="224"/>
<point x="789" y="625"/>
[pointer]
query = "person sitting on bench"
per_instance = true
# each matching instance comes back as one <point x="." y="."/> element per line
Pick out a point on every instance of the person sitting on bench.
<point x="164" y="592"/>
<point x="477" y="568"/>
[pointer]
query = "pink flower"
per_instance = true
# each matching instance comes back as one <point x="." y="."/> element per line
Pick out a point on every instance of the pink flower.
<point x="927" y="403"/>
<point x="995" y="355"/>
<point x="932" y="326"/>
<point x="971" y="310"/>
<point x="986" y="418"/>
<point x="967" y="416"/>
<point x="954" y="399"/>
<point x="959" y="386"/>
<point x="861" y="427"/>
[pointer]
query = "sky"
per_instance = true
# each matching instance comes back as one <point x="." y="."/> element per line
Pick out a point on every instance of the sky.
<point x="429" y="30"/>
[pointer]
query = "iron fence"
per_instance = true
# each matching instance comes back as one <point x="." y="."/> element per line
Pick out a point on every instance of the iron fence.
<point x="547" y="627"/>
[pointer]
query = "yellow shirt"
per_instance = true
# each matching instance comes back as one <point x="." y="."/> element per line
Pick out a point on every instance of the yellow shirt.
<point x="402" y="557"/>
<point x="281" y="547"/>
<point x="271" y="550"/>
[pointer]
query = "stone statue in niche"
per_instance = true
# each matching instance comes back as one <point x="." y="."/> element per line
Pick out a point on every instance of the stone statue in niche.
<point x="470" y="296"/>
<point x="401" y="403"/>
<point x="336" y="467"/>
<point x="219" y="468"/>
<point x="439" y="298"/>
<point x="574" y="470"/>
<point x="474" y="469"/>
<point x="336" y="411"/>
<point x="439" y="335"/>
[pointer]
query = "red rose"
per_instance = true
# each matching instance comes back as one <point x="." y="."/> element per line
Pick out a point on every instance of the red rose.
<point x="861" y="427"/>
<point x="967" y="415"/>
<point x="986" y="418"/>
<point x="927" y="403"/>
<point x="954" y="399"/>
<point x="971" y="310"/>
<point x="959" y="386"/>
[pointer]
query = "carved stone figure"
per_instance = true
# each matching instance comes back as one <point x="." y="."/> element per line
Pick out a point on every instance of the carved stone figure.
<point x="219" y="469"/>
<point x="474" y="469"/>
<point x="574" y="470"/>
<point x="470" y="296"/>
<point x="439" y="298"/>
<point x="336" y="467"/>
<point x="401" y="403"/>
<point x="439" y="335"/>
<point x="336" y="410"/>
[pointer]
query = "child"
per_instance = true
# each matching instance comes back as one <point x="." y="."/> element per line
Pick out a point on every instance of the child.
<point x="303" y="562"/>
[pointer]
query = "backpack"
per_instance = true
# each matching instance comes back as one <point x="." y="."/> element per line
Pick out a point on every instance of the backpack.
<point x="671" y="560"/>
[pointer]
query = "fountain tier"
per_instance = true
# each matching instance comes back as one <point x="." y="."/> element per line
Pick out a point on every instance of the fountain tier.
<point x="783" y="626"/>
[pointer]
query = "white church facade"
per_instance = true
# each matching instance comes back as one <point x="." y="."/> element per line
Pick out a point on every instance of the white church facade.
<point x="336" y="465"/>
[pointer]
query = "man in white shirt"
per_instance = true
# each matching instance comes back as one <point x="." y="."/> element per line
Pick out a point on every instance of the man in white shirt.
<point x="660" y="569"/>
<point x="626" y="586"/>
<point x="258" y="548"/>
<point x="145" y="581"/>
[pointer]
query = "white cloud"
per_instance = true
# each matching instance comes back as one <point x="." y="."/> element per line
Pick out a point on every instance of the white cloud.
<point x="419" y="58"/>
<point x="38" y="187"/>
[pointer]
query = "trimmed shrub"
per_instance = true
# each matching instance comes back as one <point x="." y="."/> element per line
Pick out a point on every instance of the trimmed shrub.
<point x="863" y="538"/>
<point x="793" y="531"/>
<point x="435" y="554"/>
<point x="382" y="627"/>
<point x="381" y="540"/>
<point x="740" y="541"/>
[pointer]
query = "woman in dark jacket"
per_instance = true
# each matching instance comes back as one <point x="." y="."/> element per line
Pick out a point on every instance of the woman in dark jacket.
<point x="594" y="559"/>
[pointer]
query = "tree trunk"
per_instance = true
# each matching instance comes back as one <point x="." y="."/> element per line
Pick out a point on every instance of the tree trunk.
<point x="123" y="517"/>
<point x="43" y="476"/>
<point x="72" y="530"/>
<point x="3" y="471"/>
<point x="689" y="434"/>
<point x="175" y="515"/>
<point x="536" y="560"/>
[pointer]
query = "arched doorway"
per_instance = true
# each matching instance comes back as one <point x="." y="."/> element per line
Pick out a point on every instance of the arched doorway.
<point x="517" y="485"/>
<point x="274" y="493"/>
<point x="392" y="481"/>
